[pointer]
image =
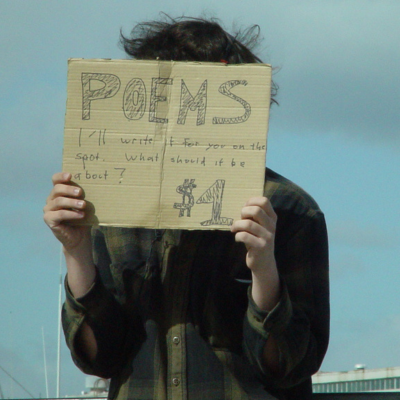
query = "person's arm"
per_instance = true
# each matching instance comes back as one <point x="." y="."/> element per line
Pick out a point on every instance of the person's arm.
<point x="287" y="343"/>
<point x="80" y="278"/>
<point x="256" y="229"/>
<point x="64" y="205"/>
<point x="90" y="313"/>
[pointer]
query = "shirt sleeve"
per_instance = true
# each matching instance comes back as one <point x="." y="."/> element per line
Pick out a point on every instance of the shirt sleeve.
<point x="300" y="321"/>
<point x="104" y="312"/>
<point x="100" y="310"/>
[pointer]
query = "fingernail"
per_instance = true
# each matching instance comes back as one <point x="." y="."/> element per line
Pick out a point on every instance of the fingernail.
<point x="80" y="203"/>
<point x="76" y="191"/>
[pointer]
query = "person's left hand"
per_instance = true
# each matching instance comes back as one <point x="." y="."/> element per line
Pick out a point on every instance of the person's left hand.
<point x="256" y="229"/>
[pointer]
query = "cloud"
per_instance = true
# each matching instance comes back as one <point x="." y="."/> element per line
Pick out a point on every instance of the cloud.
<point x="338" y="76"/>
<point x="337" y="70"/>
<point x="19" y="377"/>
<point x="346" y="265"/>
<point x="337" y="59"/>
<point x="358" y="341"/>
<point x="356" y="234"/>
<point x="29" y="372"/>
<point x="31" y="140"/>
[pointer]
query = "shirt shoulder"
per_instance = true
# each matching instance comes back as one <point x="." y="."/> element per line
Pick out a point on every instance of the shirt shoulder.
<point x="288" y="197"/>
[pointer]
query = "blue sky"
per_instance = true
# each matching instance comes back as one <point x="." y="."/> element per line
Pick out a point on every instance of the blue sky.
<point x="336" y="133"/>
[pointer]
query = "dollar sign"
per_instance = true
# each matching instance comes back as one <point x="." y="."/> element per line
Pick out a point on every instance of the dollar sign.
<point x="187" y="198"/>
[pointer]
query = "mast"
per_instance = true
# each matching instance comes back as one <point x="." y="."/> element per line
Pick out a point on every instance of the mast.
<point x="45" y="364"/>
<point x="59" y="329"/>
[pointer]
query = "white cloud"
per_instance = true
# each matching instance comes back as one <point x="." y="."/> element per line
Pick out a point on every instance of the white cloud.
<point x="338" y="75"/>
<point x="357" y="340"/>
<point x="346" y="265"/>
<point x="357" y="234"/>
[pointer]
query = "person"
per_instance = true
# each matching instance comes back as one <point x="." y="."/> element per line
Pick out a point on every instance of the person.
<point x="169" y="314"/>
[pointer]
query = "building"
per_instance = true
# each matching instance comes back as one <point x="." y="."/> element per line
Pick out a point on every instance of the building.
<point x="358" y="380"/>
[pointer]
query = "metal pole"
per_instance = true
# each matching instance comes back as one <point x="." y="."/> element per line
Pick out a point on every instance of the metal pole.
<point x="45" y="364"/>
<point x="59" y="329"/>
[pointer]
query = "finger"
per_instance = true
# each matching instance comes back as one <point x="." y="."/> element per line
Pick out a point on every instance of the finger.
<point x="246" y="227"/>
<point x="250" y="240"/>
<point x="56" y="218"/>
<point x="61" y="177"/>
<point x="264" y="203"/>
<point x="67" y="190"/>
<point x="61" y="190"/>
<point x="249" y="226"/>
<point x="60" y="203"/>
<point x="257" y="214"/>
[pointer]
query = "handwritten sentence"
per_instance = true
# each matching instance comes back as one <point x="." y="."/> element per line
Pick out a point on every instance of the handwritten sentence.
<point x="89" y="175"/>
<point x="187" y="142"/>
<point x="140" y="157"/>
<point x="99" y="137"/>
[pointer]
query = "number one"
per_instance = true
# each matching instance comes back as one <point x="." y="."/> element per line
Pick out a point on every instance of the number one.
<point x="214" y="195"/>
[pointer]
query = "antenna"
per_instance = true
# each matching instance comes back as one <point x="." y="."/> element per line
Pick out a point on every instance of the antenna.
<point x="45" y="365"/>
<point x="59" y="329"/>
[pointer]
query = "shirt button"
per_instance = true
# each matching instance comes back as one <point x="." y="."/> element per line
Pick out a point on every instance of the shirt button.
<point x="176" y="381"/>
<point x="176" y="340"/>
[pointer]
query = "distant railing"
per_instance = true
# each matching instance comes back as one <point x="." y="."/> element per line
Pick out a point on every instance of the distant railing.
<point x="316" y="396"/>
<point x="357" y="396"/>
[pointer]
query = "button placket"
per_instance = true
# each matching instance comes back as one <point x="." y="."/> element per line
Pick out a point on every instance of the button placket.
<point x="178" y="279"/>
<point x="178" y="362"/>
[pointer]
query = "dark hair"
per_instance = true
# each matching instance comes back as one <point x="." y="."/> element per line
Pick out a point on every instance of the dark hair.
<point x="192" y="39"/>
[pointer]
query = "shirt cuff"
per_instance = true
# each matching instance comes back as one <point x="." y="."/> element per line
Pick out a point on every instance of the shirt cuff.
<point x="89" y="306"/>
<point x="274" y="321"/>
<point x="258" y="325"/>
<point x="97" y="309"/>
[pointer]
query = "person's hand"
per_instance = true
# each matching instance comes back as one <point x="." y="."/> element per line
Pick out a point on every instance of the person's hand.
<point x="256" y="229"/>
<point x="65" y="205"/>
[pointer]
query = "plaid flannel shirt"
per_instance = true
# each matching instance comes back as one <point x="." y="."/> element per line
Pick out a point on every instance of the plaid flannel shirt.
<point x="173" y="316"/>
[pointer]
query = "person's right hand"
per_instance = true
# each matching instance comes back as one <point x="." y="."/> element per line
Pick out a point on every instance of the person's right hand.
<point x="65" y="205"/>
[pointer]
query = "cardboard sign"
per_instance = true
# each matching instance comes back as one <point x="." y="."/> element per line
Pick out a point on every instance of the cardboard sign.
<point x="174" y="145"/>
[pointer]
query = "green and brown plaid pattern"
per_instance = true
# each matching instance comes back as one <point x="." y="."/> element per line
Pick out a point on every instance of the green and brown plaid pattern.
<point x="173" y="318"/>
